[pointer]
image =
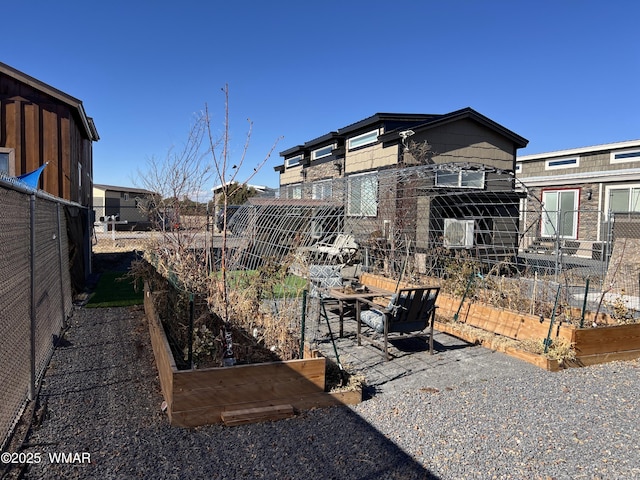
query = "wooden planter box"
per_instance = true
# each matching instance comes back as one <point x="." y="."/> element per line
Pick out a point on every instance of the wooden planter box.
<point x="592" y="345"/>
<point x="242" y="393"/>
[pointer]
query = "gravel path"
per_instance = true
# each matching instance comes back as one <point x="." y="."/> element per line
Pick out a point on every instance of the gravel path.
<point x="102" y="397"/>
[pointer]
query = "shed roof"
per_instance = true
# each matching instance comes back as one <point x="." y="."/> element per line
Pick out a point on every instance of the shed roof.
<point x="74" y="103"/>
<point x="113" y="188"/>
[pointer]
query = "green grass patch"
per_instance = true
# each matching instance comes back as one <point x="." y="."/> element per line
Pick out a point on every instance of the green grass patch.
<point x="114" y="289"/>
<point x="241" y="279"/>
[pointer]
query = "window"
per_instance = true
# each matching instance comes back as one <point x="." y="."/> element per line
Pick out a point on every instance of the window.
<point x="293" y="161"/>
<point x="624" y="199"/>
<point x="6" y="162"/>
<point x="322" y="152"/>
<point x="560" y="213"/>
<point x="518" y="168"/>
<point x="363" y="140"/>
<point x="559" y="163"/>
<point x="462" y="178"/>
<point x="625" y="156"/>
<point x="294" y="191"/>
<point x="321" y="190"/>
<point x="362" y="198"/>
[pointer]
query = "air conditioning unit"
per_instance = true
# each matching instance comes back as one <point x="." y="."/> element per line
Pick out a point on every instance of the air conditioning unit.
<point x="458" y="233"/>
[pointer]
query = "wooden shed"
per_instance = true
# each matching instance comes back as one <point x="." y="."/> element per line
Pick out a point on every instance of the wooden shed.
<point x="40" y="124"/>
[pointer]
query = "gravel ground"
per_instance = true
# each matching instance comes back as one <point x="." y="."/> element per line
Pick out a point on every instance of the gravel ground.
<point x="101" y="396"/>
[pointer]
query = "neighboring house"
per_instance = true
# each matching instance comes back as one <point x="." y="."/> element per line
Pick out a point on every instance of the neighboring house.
<point x="40" y="124"/>
<point x="580" y="189"/>
<point x="127" y="204"/>
<point x="480" y="154"/>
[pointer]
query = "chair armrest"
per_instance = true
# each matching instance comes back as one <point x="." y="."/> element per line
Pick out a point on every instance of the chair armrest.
<point x="372" y="304"/>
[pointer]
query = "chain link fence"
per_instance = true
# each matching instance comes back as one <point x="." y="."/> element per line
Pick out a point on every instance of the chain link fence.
<point x="35" y="294"/>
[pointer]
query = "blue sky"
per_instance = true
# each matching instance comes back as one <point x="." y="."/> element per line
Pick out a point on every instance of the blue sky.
<point x="562" y="74"/>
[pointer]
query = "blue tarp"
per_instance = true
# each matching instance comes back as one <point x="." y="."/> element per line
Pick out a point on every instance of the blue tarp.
<point x="31" y="178"/>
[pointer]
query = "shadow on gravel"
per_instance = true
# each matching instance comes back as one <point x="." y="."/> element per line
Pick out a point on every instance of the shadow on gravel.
<point x="335" y="443"/>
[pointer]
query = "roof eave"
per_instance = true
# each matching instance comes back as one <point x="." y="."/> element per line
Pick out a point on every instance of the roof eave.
<point x="59" y="95"/>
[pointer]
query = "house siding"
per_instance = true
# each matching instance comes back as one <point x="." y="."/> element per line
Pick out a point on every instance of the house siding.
<point x="369" y="158"/>
<point x="291" y="175"/>
<point x="467" y="141"/>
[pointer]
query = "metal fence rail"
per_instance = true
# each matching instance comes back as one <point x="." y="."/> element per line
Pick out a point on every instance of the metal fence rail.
<point x="35" y="294"/>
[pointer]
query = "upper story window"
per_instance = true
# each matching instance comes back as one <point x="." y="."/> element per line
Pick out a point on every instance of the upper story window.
<point x="362" y="198"/>
<point x="462" y="178"/>
<point x="625" y="156"/>
<point x="293" y="161"/>
<point x="322" y="152"/>
<point x="6" y="162"/>
<point x="518" y="168"/>
<point x="322" y="190"/>
<point x="363" y="140"/>
<point x="558" y="163"/>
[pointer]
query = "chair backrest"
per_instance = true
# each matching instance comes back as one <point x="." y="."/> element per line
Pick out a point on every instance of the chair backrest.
<point x="344" y="241"/>
<point x="412" y="309"/>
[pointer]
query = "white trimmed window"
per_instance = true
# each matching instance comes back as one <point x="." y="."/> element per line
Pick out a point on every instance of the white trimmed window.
<point x="560" y="213"/>
<point x="322" y="152"/>
<point x="460" y="179"/>
<point x="363" y="140"/>
<point x="321" y="190"/>
<point x="559" y="163"/>
<point x="362" y="198"/>
<point x="293" y="161"/>
<point x="625" y="156"/>
<point x="623" y="199"/>
<point x="518" y="168"/>
<point x="294" y="191"/>
<point x="7" y="164"/>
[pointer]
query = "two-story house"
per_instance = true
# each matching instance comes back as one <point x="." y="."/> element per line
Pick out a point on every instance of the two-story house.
<point x="433" y="179"/>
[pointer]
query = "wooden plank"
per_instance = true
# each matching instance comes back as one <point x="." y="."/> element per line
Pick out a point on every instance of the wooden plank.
<point x="348" y="397"/>
<point x="213" y="414"/>
<point x="538" y="360"/>
<point x="50" y="152"/>
<point x="535" y="359"/>
<point x="586" y="360"/>
<point x="601" y="340"/>
<point x="184" y="399"/>
<point x="32" y="135"/>
<point x="161" y="351"/>
<point x="253" y="415"/>
<point x="313" y="369"/>
<point x="65" y="158"/>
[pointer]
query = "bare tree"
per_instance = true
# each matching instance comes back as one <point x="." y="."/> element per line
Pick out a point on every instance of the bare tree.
<point x="227" y="173"/>
<point x="185" y="173"/>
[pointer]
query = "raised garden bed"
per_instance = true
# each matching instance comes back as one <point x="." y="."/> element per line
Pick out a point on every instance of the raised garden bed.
<point x="604" y="343"/>
<point x="241" y="393"/>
